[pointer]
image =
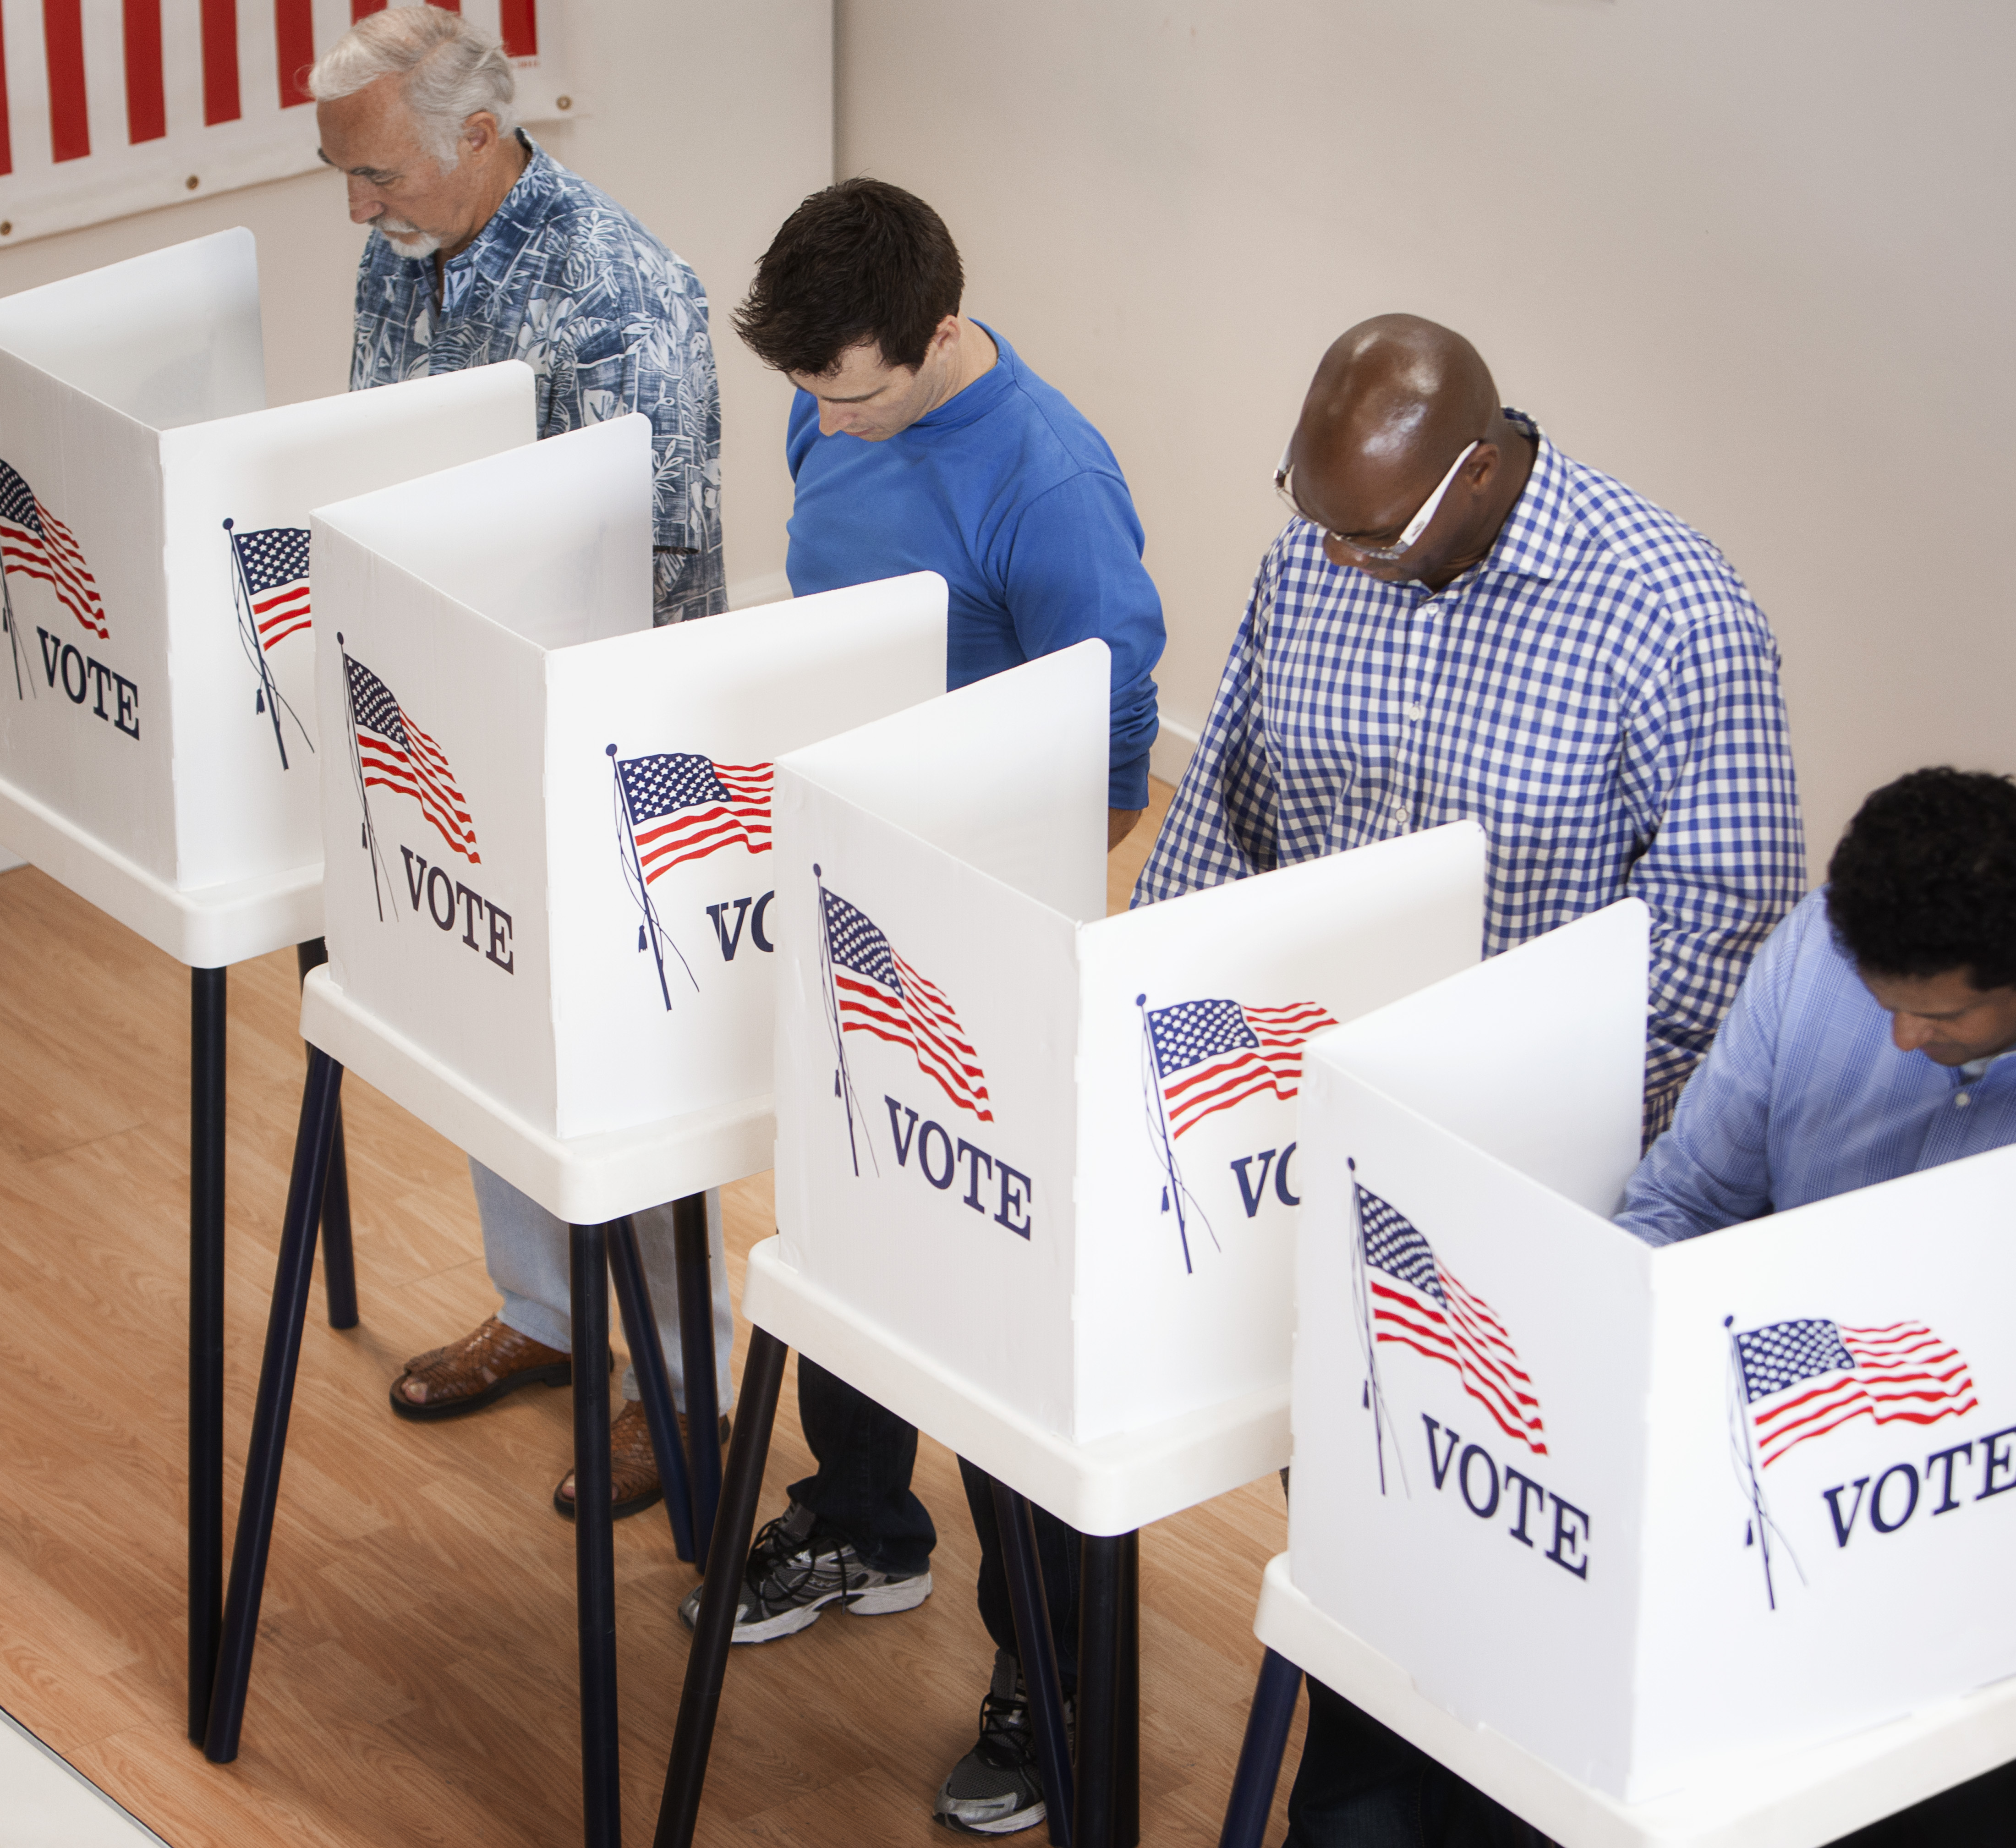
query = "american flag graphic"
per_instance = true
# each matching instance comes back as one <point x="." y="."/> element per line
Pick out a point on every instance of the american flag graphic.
<point x="34" y="541"/>
<point x="878" y="993"/>
<point x="1803" y="1379"/>
<point x="682" y="806"/>
<point x="395" y="754"/>
<point x="273" y="564"/>
<point x="153" y="94"/>
<point x="1210" y="1055"/>
<point x="1417" y="1304"/>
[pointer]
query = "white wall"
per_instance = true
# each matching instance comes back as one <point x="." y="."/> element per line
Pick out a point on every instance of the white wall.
<point x="1753" y="259"/>
<point x="709" y="123"/>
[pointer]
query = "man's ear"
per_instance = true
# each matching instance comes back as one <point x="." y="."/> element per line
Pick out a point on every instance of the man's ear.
<point x="480" y="131"/>
<point x="945" y="333"/>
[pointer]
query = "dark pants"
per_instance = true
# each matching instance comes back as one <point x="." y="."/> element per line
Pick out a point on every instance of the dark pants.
<point x="1362" y="1786"/>
<point x="862" y="1493"/>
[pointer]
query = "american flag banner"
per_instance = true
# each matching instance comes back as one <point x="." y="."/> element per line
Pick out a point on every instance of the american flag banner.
<point x="682" y="806"/>
<point x="35" y="542"/>
<point x="1416" y="1303"/>
<point x="273" y="569"/>
<point x="876" y="992"/>
<point x="1210" y="1055"/>
<point x="393" y="753"/>
<point x="112" y="107"/>
<point x="1802" y="1379"/>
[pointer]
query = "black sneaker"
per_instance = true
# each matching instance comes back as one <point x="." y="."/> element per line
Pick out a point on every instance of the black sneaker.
<point x="997" y="1788"/>
<point x="793" y="1573"/>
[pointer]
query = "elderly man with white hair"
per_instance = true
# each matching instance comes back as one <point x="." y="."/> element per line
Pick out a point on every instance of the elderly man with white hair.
<point x="484" y="248"/>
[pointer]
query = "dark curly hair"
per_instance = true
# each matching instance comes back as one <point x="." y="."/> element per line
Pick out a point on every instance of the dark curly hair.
<point x="1924" y="880"/>
<point x="863" y="260"/>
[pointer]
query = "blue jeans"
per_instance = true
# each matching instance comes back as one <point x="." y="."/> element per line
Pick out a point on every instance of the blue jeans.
<point x="525" y="1249"/>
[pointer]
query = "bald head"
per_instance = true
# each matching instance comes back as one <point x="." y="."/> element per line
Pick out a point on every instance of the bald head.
<point x="1394" y="401"/>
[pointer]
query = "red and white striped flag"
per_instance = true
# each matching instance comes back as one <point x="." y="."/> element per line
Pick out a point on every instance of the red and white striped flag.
<point x="34" y="541"/>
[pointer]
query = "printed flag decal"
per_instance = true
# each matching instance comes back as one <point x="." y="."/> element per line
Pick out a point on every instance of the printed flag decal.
<point x="388" y="751"/>
<point x="682" y="806"/>
<point x="35" y="542"/>
<point x="1410" y="1299"/>
<point x="676" y="806"/>
<point x="1199" y="1057"/>
<point x="1803" y="1379"/>
<point x="870" y="988"/>
<point x="269" y="586"/>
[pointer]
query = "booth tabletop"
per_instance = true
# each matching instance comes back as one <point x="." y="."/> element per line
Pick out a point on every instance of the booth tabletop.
<point x="1793" y="1799"/>
<point x="1112" y="1486"/>
<point x="585" y="1180"/>
<point x="208" y="928"/>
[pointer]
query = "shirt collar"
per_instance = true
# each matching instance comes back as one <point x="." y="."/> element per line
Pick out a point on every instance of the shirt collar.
<point x="510" y="227"/>
<point x="1535" y="537"/>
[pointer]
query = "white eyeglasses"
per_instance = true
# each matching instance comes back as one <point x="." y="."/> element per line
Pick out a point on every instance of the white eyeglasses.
<point x="1385" y="554"/>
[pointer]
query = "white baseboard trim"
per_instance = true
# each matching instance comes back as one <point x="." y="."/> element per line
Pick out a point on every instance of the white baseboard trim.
<point x="1169" y="756"/>
<point x="8" y="862"/>
<point x="774" y="587"/>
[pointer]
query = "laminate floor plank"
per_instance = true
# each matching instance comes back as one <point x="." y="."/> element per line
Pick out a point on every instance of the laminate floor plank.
<point x="416" y="1677"/>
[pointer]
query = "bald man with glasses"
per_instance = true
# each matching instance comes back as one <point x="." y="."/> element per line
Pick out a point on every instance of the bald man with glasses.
<point x="1460" y="621"/>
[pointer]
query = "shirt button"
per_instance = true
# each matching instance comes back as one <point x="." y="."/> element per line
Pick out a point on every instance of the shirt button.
<point x="1960" y="1101"/>
<point x="1415" y="712"/>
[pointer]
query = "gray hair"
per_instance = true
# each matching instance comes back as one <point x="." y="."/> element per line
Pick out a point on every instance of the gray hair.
<point x="452" y="68"/>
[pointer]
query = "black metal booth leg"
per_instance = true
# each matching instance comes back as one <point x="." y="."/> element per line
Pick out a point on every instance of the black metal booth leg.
<point x="707" y="1661"/>
<point x="206" y="1370"/>
<point x="1038" y="1649"/>
<point x="654" y="1386"/>
<point x="689" y="1247"/>
<point x="594" y="1538"/>
<point x="1108" y="1799"/>
<point x="339" y="1266"/>
<point x="261" y="1496"/>
<point x="1260" y="1755"/>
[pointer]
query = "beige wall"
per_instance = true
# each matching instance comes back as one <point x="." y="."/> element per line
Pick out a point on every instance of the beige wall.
<point x="709" y="122"/>
<point x="1753" y="259"/>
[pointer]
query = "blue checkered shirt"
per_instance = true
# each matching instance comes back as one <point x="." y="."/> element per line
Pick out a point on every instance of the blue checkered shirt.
<point x="611" y="322"/>
<point x="1600" y="693"/>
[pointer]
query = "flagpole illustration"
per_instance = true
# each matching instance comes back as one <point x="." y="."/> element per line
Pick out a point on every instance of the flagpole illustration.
<point x="13" y="635"/>
<point x="653" y="929"/>
<point x="357" y="771"/>
<point x="1173" y="1195"/>
<point x="843" y="1079"/>
<point x="1361" y="1290"/>
<point x="1740" y="1411"/>
<point x="248" y="637"/>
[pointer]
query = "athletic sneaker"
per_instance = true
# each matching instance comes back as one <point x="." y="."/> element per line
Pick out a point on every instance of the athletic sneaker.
<point x="793" y="1573"/>
<point x="997" y="1788"/>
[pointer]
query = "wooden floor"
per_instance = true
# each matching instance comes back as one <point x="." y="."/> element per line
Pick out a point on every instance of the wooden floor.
<point x="416" y="1677"/>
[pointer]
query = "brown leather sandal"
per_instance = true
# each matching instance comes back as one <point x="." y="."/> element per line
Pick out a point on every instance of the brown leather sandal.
<point x="477" y="1371"/>
<point x="633" y="1464"/>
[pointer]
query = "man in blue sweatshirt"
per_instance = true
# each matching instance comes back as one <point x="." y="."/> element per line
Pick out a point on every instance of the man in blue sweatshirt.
<point x="920" y="441"/>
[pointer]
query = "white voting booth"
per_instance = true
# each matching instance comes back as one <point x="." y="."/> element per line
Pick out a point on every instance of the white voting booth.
<point x="549" y="891"/>
<point x="1656" y="1519"/>
<point x="1039" y="1161"/>
<point x="157" y="732"/>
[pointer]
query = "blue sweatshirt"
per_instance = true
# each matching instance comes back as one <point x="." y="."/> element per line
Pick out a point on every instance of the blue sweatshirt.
<point x="1015" y="500"/>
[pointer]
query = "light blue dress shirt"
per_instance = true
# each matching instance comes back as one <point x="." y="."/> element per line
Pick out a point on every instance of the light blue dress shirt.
<point x="1804" y="1096"/>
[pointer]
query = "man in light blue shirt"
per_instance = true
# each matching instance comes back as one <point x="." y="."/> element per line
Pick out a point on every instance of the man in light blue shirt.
<point x="1875" y="1034"/>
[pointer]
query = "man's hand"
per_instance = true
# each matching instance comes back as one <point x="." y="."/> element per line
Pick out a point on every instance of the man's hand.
<point x="1119" y="824"/>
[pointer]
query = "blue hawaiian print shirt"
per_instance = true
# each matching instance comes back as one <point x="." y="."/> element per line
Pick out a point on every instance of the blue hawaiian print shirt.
<point x="1600" y="693"/>
<point x="564" y="278"/>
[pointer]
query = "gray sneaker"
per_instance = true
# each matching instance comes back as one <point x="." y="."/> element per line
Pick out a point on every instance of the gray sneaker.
<point x="997" y="1788"/>
<point x="794" y="1573"/>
